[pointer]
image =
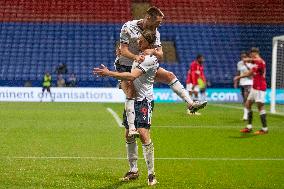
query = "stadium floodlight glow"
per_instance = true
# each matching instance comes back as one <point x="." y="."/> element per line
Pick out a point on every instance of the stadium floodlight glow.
<point x="277" y="72"/>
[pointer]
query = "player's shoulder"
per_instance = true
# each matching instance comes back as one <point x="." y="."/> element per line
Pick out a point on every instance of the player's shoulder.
<point x="193" y="63"/>
<point x="240" y="63"/>
<point x="131" y="23"/>
<point x="259" y="61"/>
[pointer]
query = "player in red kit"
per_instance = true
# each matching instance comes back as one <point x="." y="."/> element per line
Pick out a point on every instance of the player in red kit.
<point x="196" y="80"/>
<point x="257" y="94"/>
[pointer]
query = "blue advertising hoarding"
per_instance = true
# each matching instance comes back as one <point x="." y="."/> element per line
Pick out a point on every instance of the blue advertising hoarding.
<point x="215" y="95"/>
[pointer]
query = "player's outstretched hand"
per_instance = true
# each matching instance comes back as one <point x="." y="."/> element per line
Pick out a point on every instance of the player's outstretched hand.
<point x="101" y="71"/>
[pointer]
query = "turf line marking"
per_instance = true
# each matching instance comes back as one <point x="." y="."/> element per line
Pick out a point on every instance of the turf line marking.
<point x="161" y="158"/>
<point x="115" y="116"/>
<point x="206" y="127"/>
<point x="241" y="108"/>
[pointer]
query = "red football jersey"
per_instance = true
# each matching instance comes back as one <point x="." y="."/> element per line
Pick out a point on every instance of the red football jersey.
<point x="259" y="71"/>
<point x="196" y="71"/>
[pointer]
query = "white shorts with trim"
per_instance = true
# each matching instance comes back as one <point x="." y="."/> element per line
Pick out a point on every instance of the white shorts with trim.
<point x="256" y="95"/>
<point x="189" y="87"/>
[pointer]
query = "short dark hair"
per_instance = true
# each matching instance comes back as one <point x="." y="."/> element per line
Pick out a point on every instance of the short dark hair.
<point x="154" y="12"/>
<point x="150" y="36"/>
<point x="199" y="56"/>
<point x="244" y="53"/>
<point x="254" y="50"/>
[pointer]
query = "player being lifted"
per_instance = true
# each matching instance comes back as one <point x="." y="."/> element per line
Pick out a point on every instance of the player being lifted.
<point x="244" y="83"/>
<point x="142" y="75"/>
<point x="129" y="52"/>
<point x="257" y="93"/>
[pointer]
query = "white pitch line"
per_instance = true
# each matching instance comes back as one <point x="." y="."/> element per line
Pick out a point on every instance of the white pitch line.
<point x="161" y="158"/>
<point x="207" y="127"/>
<point x="115" y="116"/>
<point x="241" y="108"/>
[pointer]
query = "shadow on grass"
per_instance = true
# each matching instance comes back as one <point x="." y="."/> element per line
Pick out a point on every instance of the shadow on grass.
<point x="94" y="177"/>
<point x="120" y="183"/>
<point x="242" y="136"/>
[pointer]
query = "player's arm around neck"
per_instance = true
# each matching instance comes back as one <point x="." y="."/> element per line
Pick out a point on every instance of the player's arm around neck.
<point x="246" y="74"/>
<point x="135" y="73"/>
<point x="104" y="71"/>
<point x="126" y="53"/>
<point x="157" y="52"/>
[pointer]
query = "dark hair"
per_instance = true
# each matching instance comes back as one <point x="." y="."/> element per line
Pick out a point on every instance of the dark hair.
<point x="154" y="12"/>
<point x="254" y="50"/>
<point x="244" y="54"/>
<point x="199" y="56"/>
<point x="150" y="36"/>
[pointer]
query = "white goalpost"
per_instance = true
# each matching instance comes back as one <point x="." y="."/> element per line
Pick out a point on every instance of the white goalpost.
<point x="277" y="76"/>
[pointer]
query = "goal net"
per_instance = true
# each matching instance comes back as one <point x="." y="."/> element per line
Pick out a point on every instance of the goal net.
<point x="277" y="76"/>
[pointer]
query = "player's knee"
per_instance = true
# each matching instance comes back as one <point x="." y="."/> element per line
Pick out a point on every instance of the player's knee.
<point x="170" y="76"/>
<point x="129" y="139"/>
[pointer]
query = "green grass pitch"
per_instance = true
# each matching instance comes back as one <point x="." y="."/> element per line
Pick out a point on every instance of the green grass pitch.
<point x="79" y="145"/>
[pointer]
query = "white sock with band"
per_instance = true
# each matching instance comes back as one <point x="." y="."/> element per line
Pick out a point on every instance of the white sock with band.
<point x="148" y="152"/>
<point x="132" y="154"/>
<point x="130" y="112"/>
<point x="177" y="87"/>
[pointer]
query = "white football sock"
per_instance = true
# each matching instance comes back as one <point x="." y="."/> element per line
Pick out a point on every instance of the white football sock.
<point x="264" y="128"/>
<point x="177" y="87"/>
<point x="132" y="155"/>
<point x="130" y="113"/>
<point x="148" y="152"/>
<point x="245" y="113"/>
<point x="249" y="126"/>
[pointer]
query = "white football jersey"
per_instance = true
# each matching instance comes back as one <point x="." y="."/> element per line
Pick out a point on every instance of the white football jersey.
<point x="130" y="32"/>
<point x="144" y="84"/>
<point x="243" y="68"/>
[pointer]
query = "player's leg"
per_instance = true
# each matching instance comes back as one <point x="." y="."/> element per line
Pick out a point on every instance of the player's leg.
<point x="148" y="153"/>
<point x="144" y="111"/>
<point x="248" y="105"/>
<point x="189" y="89"/>
<point x="245" y="92"/>
<point x="42" y="93"/>
<point x="129" y="91"/>
<point x="49" y="91"/>
<point x="166" y="77"/>
<point x="132" y="156"/>
<point x="260" y="105"/>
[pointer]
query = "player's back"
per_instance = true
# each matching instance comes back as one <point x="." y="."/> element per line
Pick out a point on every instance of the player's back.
<point x="144" y="84"/>
<point x="259" y="71"/>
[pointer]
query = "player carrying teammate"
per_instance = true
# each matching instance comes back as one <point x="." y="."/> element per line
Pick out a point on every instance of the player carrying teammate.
<point x="46" y="84"/>
<point x="129" y="50"/>
<point x="257" y="93"/>
<point x="244" y="83"/>
<point x="142" y="75"/>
